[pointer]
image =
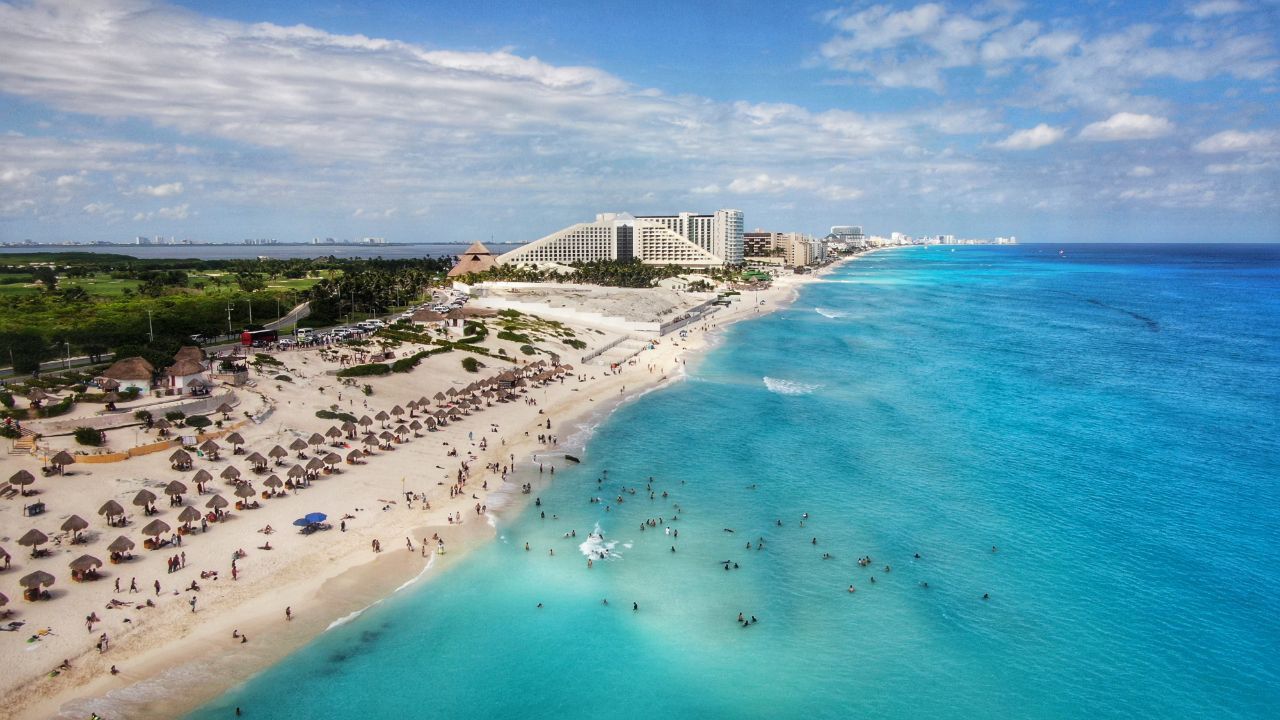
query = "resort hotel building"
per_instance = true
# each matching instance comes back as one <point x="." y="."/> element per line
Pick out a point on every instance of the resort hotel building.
<point x="687" y="239"/>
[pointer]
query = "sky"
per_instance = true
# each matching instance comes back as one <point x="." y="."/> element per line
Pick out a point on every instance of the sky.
<point x="506" y="120"/>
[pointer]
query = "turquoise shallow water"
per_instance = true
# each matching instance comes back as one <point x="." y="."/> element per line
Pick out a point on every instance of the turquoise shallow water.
<point x="1106" y="419"/>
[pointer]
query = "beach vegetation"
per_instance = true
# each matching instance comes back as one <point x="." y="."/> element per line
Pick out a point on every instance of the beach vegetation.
<point x="283" y="378"/>
<point x="174" y="416"/>
<point x="470" y="364"/>
<point x="365" y="370"/>
<point x="198" y="421"/>
<point x="367" y="389"/>
<point x="142" y="416"/>
<point x="331" y="415"/>
<point x="92" y="437"/>
<point x="528" y="349"/>
<point x="6" y="398"/>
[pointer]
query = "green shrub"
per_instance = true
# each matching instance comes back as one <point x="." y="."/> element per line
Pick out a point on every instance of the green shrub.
<point x="142" y="415"/>
<point x="578" y="344"/>
<point x="470" y="364"/>
<point x="331" y="415"/>
<point x="199" y="421"/>
<point x="10" y="432"/>
<point x="514" y="337"/>
<point x="528" y="349"/>
<point x="131" y="394"/>
<point x="6" y="398"/>
<point x="89" y="436"/>
<point x="174" y="416"/>
<point x="61" y="407"/>
<point x="284" y="378"/>
<point x="367" y="389"/>
<point x="364" y="370"/>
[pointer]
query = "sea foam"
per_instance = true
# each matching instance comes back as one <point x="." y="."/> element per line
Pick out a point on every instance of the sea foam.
<point x="788" y="387"/>
<point x="827" y="313"/>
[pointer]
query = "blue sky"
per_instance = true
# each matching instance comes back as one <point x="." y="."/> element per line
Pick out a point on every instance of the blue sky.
<point x="1057" y="122"/>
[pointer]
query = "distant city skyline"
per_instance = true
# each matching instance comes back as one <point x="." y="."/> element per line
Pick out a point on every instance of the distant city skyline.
<point x="447" y="123"/>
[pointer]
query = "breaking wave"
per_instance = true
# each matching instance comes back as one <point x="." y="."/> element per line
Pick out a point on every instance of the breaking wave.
<point x="788" y="387"/>
<point x="826" y="313"/>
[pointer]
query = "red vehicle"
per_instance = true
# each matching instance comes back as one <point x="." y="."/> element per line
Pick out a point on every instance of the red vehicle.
<point x="258" y="338"/>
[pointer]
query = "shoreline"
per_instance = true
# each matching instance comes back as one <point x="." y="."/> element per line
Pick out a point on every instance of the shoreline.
<point x="166" y="674"/>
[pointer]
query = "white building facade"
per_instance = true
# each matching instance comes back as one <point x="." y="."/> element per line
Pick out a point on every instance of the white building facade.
<point x="686" y="239"/>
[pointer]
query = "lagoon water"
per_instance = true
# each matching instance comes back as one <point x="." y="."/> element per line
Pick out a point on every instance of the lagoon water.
<point x="1107" y="419"/>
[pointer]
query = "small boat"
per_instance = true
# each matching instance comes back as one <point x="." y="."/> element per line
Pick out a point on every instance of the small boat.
<point x="571" y="458"/>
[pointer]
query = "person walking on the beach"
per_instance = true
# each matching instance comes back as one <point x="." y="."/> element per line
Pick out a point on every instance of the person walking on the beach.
<point x="133" y="585"/>
<point x="288" y="613"/>
<point x="193" y="603"/>
<point x="157" y="588"/>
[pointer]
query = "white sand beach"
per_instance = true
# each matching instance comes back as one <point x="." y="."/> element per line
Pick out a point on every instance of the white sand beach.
<point x="170" y="659"/>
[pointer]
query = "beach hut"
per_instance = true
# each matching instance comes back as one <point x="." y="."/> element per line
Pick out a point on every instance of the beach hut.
<point x="235" y="440"/>
<point x="84" y="568"/>
<point x="37" y="396"/>
<point x="180" y="460"/>
<point x="175" y="489"/>
<point x="355" y="457"/>
<point x="186" y="517"/>
<point x="162" y="427"/>
<point x="185" y="374"/>
<point x="153" y="531"/>
<point x="278" y="454"/>
<point x="143" y="499"/>
<point x="350" y="429"/>
<point x="120" y="548"/>
<point x="33" y="583"/>
<point x="382" y="417"/>
<point x="258" y="462"/>
<point x="299" y="445"/>
<point x="230" y="473"/>
<point x="132" y="372"/>
<point x="22" y="479"/>
<point x="111" y="509"/>
<point x="62" y="460"/>
<point x="33" y="539"/>
<point x="107" y="384"/>
<point x="210" y="448"/>
<point x="74" y="525"/>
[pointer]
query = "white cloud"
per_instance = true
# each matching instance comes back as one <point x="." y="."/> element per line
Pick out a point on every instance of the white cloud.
<point x="177" y="212"/>
<point x="1127" y="126"/>
<point x="165" y="190"/>
<point x="765" y="184"/>
<point x="70" y="181"/>
<point x="1141" y="171"/>
<point x="1032" y="138"/>
<point x="1214" y="8"/>
<point x="98" y="208"/>
<point x="1234" y="141"/>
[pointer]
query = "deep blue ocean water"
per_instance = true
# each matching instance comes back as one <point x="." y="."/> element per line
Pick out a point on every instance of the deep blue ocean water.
<point x="1106" y="419"/>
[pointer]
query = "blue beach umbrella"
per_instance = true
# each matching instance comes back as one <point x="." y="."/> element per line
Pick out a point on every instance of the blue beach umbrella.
<point x="301" y="522"/>
<point x="315" y="517"/>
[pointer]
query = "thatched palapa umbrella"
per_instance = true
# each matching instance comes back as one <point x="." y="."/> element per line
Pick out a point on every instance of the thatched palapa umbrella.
<point x="299" y="445"/>
<point x="333" y="460"/>
<point x="245" y="491"/>
<point x="258" y="462"/>
<point x="350" y="429"/>
<point x="62" y="460"/>
<point x="155" y="529"/>
<point x="225" y="409"/>
<point x="235" y="440"/>
<point x="180" y="459"/>
<point x="144" y="498"/>
<point x="278" y="454"/>
<point x="210" y="448"/>
<point x="33" y="539"/>
<point x="189" y="515"/>
<point x="355" y="456"/>
<point x="382" y="417"/>
<point x="316" y="440"/>
<point x="369" y="439"/>
<point x="175" y="489"/>
<point x="230" y="473"/>
<point x="22" y="479"/>
<point x="201" y="477"/>
<point x="74" y="525"/>
<point x="86" y="566"/>
<point x="333" y="433"/>
<point x="273" y="482"/>
<point x="111" y="509"/>
<point x="121" y="544"/>
<point x="415" y="426"/>
<point x="34" y="582"/>
<point x="315" y="466"/>
<point x="397" y="411"/>
<point x="217" y="502"/>
<point x="364" y="421"/>
<point x="297" y="472"/>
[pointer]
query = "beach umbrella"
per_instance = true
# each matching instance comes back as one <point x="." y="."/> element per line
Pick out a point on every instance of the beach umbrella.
<point x="201" y="477"/>
<point x="175" y="488"/>
<point x="431" y="422"/>
<point x="111" y="509"/>
<point x="315" y="439"/>
<point x="315" y="517"/>
<point x="85" y="563"/>
<point x="144" y="498"/>
<point x="35" y="580"/>
<point x="273" y="482"/>
<point x="217" y="502"/>
<point x="245" y="491"/>
<point x="296" y="471"/>
<point x="411" y="406"/>
<point x="333" y="433"/>
<point x="230" y="473"/>
<point x="180" y="458"/>
<point x="401" y="430"/>
<point x="156" y="528"/>
<point x="397" y="411"/>
<point x="22" y="479"/>
<point x="385" y="435"/>
<point x="35" y="394"/>
<point x="315" y="465"/>
<point x="256" y="459"/>
<point x="33" y="539"/>
<point x="382" y="417"/>
<point x="161" y="424"/>
<point x="364" y="421"/>
<point x="3" y="600"/>
<point x="332" y="459"/>
<point x="415" y="426"/>
<point x="349" y="428"/>
<point x="354" y="456"/>
<point x="441" y="414"/>
<point x="451" y="392"/>
<point x="423" y="402"/>
<point x="109" y="384"/>
<point x="188" y="516"/>
<point x="74" y="525"/>
<point x="299" y="445"/>
<point x="211" y="448"/>
<point x="235" y="440"/>
<point x="301" y="522"/>
<point x="121" y="544"/>
<point x="370" y="439"/>
<point x="225" y="409"/>
<point x="278" y="452"/>
<point x="61" y="460"/>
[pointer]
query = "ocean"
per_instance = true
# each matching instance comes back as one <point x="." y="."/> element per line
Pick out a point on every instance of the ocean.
<point x="1081" y="448"/>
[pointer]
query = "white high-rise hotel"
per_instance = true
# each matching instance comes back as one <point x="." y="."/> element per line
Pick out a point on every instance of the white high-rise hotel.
<point x="686" y="239"/>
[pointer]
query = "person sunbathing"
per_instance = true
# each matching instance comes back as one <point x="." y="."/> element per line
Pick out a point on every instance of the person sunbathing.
<point x="265" y="547"/>
<point x="266" y="530"/>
